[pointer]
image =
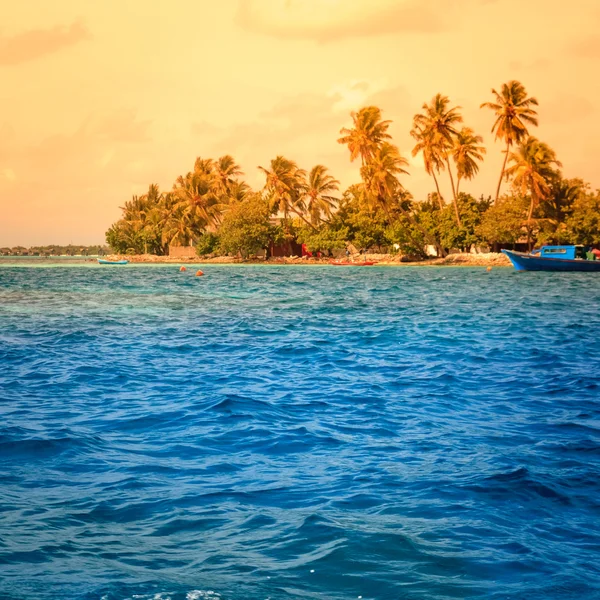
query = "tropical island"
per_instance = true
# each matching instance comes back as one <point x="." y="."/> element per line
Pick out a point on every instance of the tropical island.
<point x="212" y="208"/>
<point x="55" y="250"/>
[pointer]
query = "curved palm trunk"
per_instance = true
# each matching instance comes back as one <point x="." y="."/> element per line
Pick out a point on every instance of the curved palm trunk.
<point x="437" y="187"/>
<point x="502" y="172"/>
<point x="456" y="211"/>
<point x="529" y="217"/>
<point x="304" y="219"/>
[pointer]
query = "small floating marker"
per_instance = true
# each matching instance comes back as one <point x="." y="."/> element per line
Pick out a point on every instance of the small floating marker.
<point x="199" y="273"/>
<point x="312" y="570"/>
<point x="489" y="269"/>
<point x="182" y="269"/>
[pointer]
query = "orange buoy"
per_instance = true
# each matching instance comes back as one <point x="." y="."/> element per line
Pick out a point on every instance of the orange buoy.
<point x="489" y="269"/>
<point x="182" y="269"/>
<point x="199" y="273"/>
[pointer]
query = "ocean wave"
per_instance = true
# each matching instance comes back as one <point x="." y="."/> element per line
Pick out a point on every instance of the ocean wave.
<point x="298" y="433"/>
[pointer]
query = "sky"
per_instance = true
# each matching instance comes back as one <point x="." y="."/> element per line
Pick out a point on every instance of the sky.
<point x="100" y="99"/>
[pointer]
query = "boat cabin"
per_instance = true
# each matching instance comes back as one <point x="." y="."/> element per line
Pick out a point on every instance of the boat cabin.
<point x="565" y="252"/>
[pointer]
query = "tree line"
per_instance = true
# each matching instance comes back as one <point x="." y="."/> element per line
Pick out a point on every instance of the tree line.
<point x="55" y="250"/>
<point x="213" y="208"/>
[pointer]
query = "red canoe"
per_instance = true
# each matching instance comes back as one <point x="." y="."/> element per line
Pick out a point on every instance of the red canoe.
<point x="346" y="263"/>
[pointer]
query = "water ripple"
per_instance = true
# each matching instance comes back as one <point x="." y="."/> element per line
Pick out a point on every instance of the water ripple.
<point x="268" y="432"/>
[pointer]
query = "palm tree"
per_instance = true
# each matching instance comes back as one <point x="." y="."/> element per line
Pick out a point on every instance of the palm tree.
<point x="198" y="196"/>
<point x="532" y="171"/>
<point x="466" y="152"/>
<point x="179" y="229"/>
<point x="226" y="172"/>
<point x="286" y="185"/>
<point x="380" y="175"/>
<point x="439" y="121"/>
<point x="432" y="158"/>
<point x="367" y="133"/>
<point x="513" y="114"/>
<point x="238" y="191"/>
<point x="318" y="194"/>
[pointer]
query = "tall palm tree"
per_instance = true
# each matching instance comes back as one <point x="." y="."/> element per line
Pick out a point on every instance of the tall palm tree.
<point x="432" y="157"/>
<point x="466" y="152"/>
<point x="286" y="185"/>
<point x="319" y="200"/>
<point x="532" y="170"/>
<point x="368" y="131"/>
<point x="238" y="191"/>
<point x="226" y="172"/>
<point x="381" y="173"/>
<point x="197" y="195"/>
<point x="439" y="121"/>
<point x="514" y="112"/>
<point x="179" y="229"/>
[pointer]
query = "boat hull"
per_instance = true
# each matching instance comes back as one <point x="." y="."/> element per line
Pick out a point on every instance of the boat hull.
<point x="527" y="262"/>
<point x="112" y="262"/>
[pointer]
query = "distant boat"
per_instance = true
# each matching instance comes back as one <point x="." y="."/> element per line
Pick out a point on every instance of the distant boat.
<point x="101" y="261"/>
<point x="555" y="258"/>
<point x="348" y="263"/>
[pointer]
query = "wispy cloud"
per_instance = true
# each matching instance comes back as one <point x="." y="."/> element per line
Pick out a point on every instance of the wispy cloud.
<point x="588" y="47"/>
<point x="330" y="20"/>
<point x="36" y="43"/>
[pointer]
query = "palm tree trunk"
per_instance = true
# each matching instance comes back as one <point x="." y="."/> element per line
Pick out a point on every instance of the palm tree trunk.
<point x="457" y="185"/>
<point x="531" y="207"/>
<point x="529" y="217"/>
<point x="502" y="172"/>
<point x="304" y="219"/>
<point x="437" y="187"/>
<point x="456" y="211"/>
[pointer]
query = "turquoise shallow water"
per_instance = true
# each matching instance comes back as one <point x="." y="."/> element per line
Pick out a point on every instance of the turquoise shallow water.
<point x="299" y="432"/>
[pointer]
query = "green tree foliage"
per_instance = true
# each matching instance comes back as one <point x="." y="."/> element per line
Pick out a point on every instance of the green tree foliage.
<point x="439" y="139"/>
<point x="583" y="224"/>
<point x="532" y="171"/>
<point x="554" y="210"/>
<point x="320" y="203"/>
<point x="246" y="228"/>
<point x="207" y="244"/>
<point x="325" y="239"/>
<point x="367" y="133"/>
<point x="438" y="123"/>
<point x="503" y="222"/>
<point x="513" y="111"/>
<point x="55" y="250"/>
<point x="212" y="208"/>
<point x="467" y="235"/>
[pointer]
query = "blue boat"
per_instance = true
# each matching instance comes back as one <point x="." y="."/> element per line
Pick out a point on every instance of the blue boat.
<point x="101" y="261"/>
<point x="555" y="258"/>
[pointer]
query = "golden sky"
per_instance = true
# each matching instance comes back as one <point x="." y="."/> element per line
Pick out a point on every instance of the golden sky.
<point x="99" y="99"/>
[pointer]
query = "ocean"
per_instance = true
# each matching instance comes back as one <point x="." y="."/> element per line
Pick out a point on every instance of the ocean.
<point x="287" y="432"/>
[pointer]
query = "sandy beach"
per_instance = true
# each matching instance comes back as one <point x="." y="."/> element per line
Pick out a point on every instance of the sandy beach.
<point x="488" y="259"/>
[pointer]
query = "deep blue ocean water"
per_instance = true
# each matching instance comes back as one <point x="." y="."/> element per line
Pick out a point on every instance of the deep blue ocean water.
<point x="299" y="432"/>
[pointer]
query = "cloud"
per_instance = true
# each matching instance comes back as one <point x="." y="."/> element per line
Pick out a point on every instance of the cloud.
<point x="329" y="20"/>
<point x="36" y="43"/>
<point x="534" y="65"/>
<point x="204" y="128"/>
<point x="566" y="108"/>
<point x="123" y="126"/>
<point x="588" y="47"/>
<point x="8" y="174"/>
<point x="305" y="128"/>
